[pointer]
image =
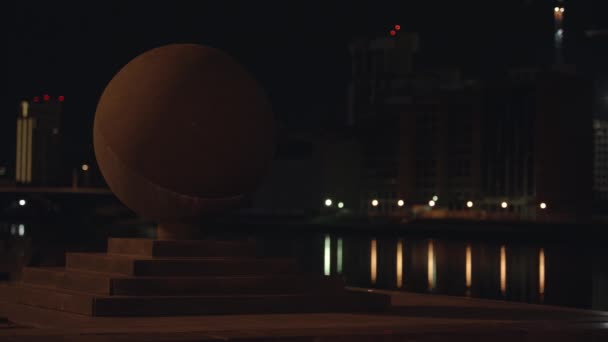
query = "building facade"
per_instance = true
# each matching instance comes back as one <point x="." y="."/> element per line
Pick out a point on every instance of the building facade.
<point x="537" y="145"/>
<point x="517" y="146"/>
<point x="600" y="160"/>
<point x="38" y="145"/>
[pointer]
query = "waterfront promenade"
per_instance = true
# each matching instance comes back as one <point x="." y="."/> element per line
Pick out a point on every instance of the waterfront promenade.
<point x="413" y="317"/>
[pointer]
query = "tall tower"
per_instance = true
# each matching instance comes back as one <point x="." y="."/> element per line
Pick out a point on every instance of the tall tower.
<point x="558" y="34"/>
<point x="25" y="130"/>
<point x="38" y="142"/>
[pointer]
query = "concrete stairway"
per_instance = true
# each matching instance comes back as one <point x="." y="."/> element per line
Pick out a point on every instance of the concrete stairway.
<point x="143" y="277"/>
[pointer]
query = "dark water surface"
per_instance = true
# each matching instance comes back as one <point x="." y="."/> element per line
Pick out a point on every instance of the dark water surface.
<point x="570" y="272"/>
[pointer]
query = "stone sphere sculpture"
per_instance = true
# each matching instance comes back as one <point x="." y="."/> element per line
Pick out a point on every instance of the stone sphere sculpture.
<point x="183" y="131"/>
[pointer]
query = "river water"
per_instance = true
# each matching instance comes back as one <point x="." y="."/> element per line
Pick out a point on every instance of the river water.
<point x="564" y="272"/>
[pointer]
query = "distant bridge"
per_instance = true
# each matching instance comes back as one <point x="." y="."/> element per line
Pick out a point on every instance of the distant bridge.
<point x="41" y="202"/>
<point x="55" y="190"/>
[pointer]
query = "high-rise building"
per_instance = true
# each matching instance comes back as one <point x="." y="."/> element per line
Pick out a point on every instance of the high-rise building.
<point x="558" y="33"/>
<point x="518" y="146"/>
<point x="38" y="142"/>
<point x="600" y="160"/>
<point x="537" y="145"/>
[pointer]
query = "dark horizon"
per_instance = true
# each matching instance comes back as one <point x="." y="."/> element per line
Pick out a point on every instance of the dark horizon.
<point x="299" y="52"/>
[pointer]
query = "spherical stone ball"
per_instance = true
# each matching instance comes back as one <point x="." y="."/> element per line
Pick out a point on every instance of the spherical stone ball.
<point x="182" y="131"/>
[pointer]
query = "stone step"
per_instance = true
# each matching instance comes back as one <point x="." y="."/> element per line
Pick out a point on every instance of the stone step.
<point x="181" y="248"/>
<point x="166" y="267"/>
<point x="75" y="302"/>
<point x="55" y="299"/>
<point x="107" y="284"/>
<point x="81" y="281"/>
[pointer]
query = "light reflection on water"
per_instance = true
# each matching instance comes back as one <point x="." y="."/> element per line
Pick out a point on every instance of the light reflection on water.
<point x="568" y="273"/>
<point x="516" y="271"/>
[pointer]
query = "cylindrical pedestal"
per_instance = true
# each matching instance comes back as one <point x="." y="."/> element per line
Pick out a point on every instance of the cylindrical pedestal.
<point x="177" y="231"/>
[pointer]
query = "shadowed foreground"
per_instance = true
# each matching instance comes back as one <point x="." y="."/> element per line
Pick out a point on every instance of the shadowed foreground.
<point x="413" y="317"/>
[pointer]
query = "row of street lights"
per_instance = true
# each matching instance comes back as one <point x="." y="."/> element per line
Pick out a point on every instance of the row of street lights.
<point x="432" y="203"/>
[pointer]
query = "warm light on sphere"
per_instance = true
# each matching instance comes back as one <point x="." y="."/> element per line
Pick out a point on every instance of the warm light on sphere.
<point x="400" y="203"/>
<point x="328" y="202"/>
<point x="182" y="131"/>
<point x="375" y="203"/>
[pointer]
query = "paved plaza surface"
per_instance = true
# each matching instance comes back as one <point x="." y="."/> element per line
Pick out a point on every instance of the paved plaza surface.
<point x="413" y="317"/>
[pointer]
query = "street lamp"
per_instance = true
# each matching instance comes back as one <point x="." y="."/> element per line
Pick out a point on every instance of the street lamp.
<point x="504" y="205"/>
<point x="22" y="202"/>
<point x="375" y="202"/>
<point x="435" y="198"/>
<point x="543" y="205"/>
<point x="328" y="202"/>
<point x="400" y="203"/>
<point x="85" y="167"/>
<point x="431" y="203"/>
<point x="470" y="204"/>
<point x="340" y="205"/>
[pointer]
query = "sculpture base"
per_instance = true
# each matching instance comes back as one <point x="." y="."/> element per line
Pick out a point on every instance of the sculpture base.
<point x="144" y="277"/>
<point x="177" y="231"/>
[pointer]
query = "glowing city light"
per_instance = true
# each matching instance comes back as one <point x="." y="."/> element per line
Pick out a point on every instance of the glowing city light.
<point x="373" y="270"/>
<point x="431" y="203"/>
<point x="340" y="205"/>
<point x="397" y="27"/>
<point x="431" y="266"/>
<point x="85" y="167"/>
<point x="556" y="9"/>
<point x="327" y="256"/>
<point x="561" y="10"/>
<point x="46" y="97"/>
<point x="36" y="99"/>
<point x="470" y="204"/>
<point x="504" y="205"/>
<point x="375" y="202"/>
<point x="339" y="256"/>
<point x="400" y="203"/>
<point x="435" y="198"/>
<point x="328" y="202"/>
<point x="468" y="267"/>
<point x="21" y="230"/>
<point x="503" y="270"/>
<point x="541" y="272"/>
<point x="393" y="33"/>
<point x="61" y="98"/>
<point x="543" y="205"/>
<point x="399" y="263"/>
<point x="22" y="202"/>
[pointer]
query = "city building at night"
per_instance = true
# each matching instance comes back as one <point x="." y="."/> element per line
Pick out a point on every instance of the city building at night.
<point x="515" y="146"/>
<point x="38" y="154"/>
<point x="537" y="145"/>
<point x="600" y="160"/>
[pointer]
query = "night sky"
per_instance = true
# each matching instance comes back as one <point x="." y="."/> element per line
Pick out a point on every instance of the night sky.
<point x="296" y="49"/>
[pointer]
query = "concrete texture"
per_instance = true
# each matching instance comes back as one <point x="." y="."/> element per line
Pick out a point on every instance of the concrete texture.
<point x="413" y="317"/>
